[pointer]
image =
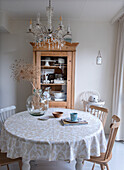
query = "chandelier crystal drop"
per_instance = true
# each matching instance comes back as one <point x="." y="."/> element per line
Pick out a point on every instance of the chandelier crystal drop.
<point x="47" y="36"/>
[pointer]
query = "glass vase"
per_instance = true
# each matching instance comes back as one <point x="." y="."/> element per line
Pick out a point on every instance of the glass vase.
<point x="36" y="103"/>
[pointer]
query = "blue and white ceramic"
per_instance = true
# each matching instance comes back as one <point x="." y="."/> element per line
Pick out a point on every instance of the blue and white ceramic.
<point x="73" y="116"/>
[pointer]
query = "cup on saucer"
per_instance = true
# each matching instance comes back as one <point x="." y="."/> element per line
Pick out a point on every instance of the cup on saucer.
<point x="73" y="116"/>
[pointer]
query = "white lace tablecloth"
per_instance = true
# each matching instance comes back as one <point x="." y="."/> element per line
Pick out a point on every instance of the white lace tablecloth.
<point x="25" y="136"/>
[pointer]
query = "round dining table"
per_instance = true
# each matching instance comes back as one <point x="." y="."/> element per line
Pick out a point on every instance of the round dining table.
<point x="36" y="138"/>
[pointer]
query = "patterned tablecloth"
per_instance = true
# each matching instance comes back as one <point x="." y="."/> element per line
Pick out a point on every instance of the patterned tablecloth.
<point x="25" y="136"/>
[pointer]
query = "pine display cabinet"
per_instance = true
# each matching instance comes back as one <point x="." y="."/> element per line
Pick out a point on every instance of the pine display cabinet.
<point x="57" y="71"/>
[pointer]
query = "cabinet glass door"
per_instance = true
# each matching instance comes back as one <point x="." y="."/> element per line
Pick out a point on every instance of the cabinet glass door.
<point x="54" y="76"/>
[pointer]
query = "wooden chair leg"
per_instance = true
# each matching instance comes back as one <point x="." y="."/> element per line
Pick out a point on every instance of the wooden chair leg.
<point x="7" y="167"/>
<point x="93" y="166"/>
<point x="102" y="166"/>
<point x="20" y="164"/>
<point x="107" y="167"/>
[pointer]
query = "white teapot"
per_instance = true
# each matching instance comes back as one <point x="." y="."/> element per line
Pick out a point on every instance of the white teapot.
<point x="93" y="98"/>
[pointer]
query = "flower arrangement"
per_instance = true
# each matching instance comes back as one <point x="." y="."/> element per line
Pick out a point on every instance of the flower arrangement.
<point x="30" y="72"/>
<point x="36" y="104"/>
<point x="24" y="71"/>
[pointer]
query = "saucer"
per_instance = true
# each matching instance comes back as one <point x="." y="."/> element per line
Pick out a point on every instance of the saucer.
<point x="70" y="121"/>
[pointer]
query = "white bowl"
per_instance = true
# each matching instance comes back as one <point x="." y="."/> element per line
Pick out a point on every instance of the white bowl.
<point x="61" y="61"/>
<point x="59" y="95"/>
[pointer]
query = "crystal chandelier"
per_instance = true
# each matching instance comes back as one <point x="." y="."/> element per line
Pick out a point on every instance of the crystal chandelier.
<point x="47" y="35"/>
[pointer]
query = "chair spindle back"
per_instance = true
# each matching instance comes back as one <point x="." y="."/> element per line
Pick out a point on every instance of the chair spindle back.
<point x="5" y="113"/>
<point x="113" y="131"/>
<point x="99" y="112"/>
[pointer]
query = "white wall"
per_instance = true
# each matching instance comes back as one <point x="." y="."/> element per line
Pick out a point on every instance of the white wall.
<point x="4" y="22"/>
<point x="13" y="46"/>
<point x="89" y="76"/>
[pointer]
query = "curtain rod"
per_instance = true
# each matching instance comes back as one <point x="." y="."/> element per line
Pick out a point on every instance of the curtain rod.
<point x="118" y="16"/>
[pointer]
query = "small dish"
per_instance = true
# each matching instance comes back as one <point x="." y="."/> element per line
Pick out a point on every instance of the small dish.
<point x="61" y="60"/>
<point x="37" y="114"/>
<point x="57" y="114"/>
<point x="44" y="118"/>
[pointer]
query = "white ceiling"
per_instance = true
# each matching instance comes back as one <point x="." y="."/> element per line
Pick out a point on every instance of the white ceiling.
<point x="88" y="10"/>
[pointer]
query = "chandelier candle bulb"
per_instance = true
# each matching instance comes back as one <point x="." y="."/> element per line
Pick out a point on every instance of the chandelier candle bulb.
<point x="60" y="20"/>
<point x="30" y="26"/>
<point x="68" y="29"/>
<point x="38" y="18"/>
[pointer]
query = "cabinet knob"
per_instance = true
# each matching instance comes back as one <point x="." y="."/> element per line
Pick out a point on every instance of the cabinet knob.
<point x="68" y="80"/>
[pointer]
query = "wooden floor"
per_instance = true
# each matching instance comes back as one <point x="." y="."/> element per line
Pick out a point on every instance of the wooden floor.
<point x="117" y="162"/>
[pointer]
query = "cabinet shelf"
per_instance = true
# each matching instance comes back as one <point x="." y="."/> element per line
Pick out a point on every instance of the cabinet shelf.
<point x="52" y="84"/>
<point x="52" y="101"/>
<point x="52" y="67"/>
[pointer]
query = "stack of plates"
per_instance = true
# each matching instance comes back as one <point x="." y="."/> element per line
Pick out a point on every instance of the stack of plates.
<point x="59" y="96"/>
<point x="59" y="100"/>
<point x="59" y="81"/>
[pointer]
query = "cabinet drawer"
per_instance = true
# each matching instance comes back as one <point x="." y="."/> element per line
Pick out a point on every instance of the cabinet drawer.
<point x="58" y="104"/>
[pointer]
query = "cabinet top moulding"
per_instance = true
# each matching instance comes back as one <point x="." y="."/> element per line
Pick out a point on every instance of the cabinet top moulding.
<point x="67" y="47"/>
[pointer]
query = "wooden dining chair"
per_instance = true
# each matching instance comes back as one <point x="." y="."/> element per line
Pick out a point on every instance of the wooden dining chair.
<point x="104" y="158"/>
<point x="99" y="112"/>
<point x="4" y="114"/>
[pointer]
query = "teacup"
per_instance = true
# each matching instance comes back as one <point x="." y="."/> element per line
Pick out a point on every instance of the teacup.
<point x="73" y="116"/>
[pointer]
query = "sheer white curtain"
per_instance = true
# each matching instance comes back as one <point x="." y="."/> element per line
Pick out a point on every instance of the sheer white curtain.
<point x="118" y="91"/>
